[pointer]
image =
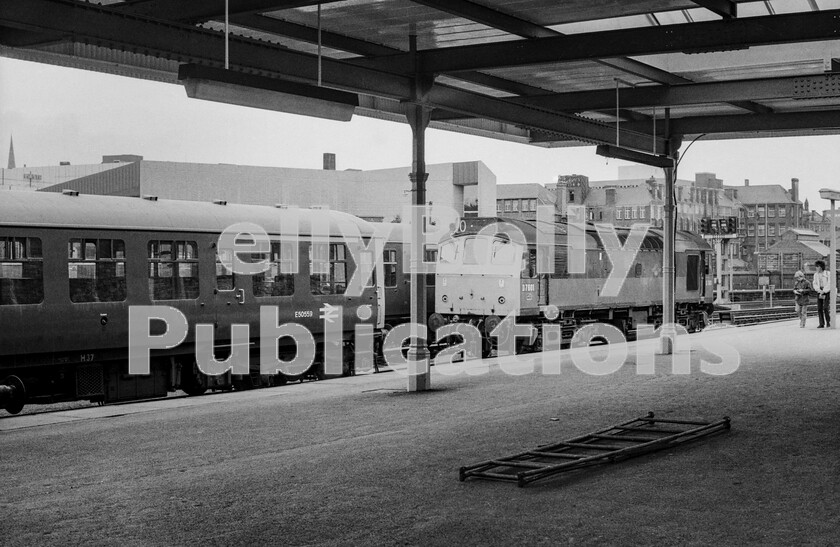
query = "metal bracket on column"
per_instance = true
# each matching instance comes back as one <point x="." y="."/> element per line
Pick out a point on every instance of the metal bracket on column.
<point x="418" y="115"/>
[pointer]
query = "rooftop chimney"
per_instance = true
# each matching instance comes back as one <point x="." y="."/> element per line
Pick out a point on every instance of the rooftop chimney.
<point x="794" y="189"/>
<point x="746" y="182"/>
<point x="329" y="161"/>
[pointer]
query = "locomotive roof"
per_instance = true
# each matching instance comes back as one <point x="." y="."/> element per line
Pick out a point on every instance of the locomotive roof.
<point x="684" y="241"/>
<point x="47" y="209"/>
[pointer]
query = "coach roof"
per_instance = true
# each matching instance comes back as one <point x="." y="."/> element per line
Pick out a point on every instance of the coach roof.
<point x="43" y="209"/>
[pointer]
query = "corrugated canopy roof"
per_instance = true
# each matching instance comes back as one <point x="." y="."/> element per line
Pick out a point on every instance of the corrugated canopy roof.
<point x="532" y="71"/>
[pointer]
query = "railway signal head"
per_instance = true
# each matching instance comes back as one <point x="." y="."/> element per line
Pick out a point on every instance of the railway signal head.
<point x="732" y="222"/>
<point x="704" y="225"/>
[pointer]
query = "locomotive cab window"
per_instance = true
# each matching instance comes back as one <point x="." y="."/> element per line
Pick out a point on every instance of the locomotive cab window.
<point x="173" y="270"/>
<point x="504" y="252"/>
<point x="279" y="279"/>
<point x="96" y="270"/>
<point x="448" y="253"/>
<point x="21" y="271"/>
<point x="328" y="268"/>
<point x="476" y="250"/>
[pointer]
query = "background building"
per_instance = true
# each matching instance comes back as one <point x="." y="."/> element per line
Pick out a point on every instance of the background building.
<point x="520" y="201"/>
<point x="767" y="212"/>
<point x="376" y="195"/>
<point x="625" y="202"/>
<point x="797" y="249"/>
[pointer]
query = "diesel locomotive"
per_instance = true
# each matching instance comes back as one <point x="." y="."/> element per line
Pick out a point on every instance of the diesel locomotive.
<point x="489" y="269"/>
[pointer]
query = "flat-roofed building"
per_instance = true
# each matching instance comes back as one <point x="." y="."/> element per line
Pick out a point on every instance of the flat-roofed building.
<point x="379" y="194"/>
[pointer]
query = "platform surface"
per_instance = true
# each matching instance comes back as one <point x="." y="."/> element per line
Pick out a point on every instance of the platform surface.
<point x="357" y="461"/>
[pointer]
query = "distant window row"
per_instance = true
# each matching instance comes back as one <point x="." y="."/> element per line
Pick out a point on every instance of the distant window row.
<point x="96" y="270"/>
<point x="515" y="205"/>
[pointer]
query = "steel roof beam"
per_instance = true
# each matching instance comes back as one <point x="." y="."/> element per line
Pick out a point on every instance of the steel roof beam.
<point x="309" y="34"/>
<point x="747" y="123"/>
<point x="365" y="48"/>
<point x="679" y="95"/>
<point x="527" y="29"/>
<point x="194" y="11"/>
<point x="489" y="17"/>
<point x="725" y="8"/>
<point x="114" y="28"/>
<point x="686" y="37"/>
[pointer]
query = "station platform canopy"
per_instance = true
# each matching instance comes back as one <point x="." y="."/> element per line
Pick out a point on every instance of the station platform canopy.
<point x="540" y="72"/>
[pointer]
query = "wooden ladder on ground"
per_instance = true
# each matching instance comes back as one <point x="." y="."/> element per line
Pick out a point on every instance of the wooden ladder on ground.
<point x="618" y="442"/>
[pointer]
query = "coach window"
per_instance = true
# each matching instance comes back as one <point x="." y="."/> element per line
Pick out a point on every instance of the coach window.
<point x="96" y="269"/>
<point x="279" y="279"/>
<point x="390" y="262"/>
<point x="430" y="254"/>
<point x="21" y="271"/>
<point x="224" y="275"/>
<point x="173" y="270"/>
<point x="328" y="268"/>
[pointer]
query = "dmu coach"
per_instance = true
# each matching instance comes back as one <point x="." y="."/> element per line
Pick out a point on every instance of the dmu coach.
<point x="484" y="276"/>
<point x="72" y="265"/>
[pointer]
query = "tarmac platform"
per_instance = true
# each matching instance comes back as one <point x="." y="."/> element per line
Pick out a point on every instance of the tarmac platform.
<point x="358" y="461"/>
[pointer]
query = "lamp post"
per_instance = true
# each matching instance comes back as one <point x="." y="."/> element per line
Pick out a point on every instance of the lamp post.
<point x="832" y="195"/>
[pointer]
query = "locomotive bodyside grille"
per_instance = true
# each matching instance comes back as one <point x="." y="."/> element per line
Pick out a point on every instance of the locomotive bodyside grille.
<point x="89" y="380"/>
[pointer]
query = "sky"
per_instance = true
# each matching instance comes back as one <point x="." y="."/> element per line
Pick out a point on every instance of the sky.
<point x="61" y="114"/>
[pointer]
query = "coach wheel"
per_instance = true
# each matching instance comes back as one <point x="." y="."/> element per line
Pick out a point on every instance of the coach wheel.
<point x="486" y="347"/>
<point x="12" y="394"/>
<point x="348" y="367"/>
<point x="193" y="382"/>
<point x="598" y="341"/>
<point x="491" y="323"/>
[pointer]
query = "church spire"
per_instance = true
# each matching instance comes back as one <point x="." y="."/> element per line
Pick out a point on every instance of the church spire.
<point x="11" y="153"/>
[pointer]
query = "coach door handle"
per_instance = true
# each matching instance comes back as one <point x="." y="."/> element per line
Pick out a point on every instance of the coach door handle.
<point x="240" y="294"/>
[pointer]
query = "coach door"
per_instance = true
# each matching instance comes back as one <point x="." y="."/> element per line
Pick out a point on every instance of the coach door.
<point x="232" y="301"/>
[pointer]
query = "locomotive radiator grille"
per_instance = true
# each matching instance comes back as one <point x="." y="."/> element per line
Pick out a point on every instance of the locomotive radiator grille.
<point x="89" y="380"/>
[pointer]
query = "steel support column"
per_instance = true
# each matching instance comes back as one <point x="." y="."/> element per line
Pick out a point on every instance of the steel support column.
<point x="668" y="333"/>
<point x="832" y="267"/>
<point x="419" y="377"/>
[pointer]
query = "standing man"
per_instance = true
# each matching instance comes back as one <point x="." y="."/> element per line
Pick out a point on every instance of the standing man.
<point x="822" y="284"/>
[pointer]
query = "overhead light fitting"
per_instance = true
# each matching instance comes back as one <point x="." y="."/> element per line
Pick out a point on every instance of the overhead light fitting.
<point x="619" y="153"/>
<point x="232" y="87"/>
